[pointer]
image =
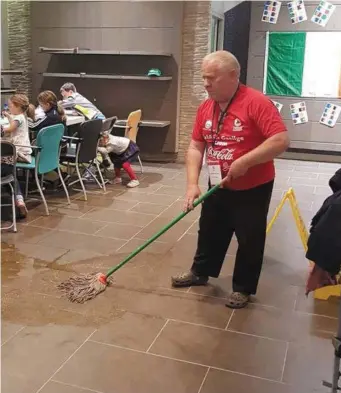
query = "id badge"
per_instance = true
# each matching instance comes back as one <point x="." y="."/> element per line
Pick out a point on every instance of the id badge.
<point x="214" y="171"/>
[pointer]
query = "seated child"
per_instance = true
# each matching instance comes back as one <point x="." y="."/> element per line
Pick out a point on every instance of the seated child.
<point x="117" y="153"/>
<point x="17" y="134"/>
<point x="53" y="112"/>
<point x="48" y="113"/>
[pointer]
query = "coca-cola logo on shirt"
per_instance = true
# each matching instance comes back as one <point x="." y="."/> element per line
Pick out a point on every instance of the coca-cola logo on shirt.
<point x="223" y="154"/>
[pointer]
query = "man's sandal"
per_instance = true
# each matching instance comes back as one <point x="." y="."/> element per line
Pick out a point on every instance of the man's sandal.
<point x="237" y="300"/>
<point x="188" y="279"/>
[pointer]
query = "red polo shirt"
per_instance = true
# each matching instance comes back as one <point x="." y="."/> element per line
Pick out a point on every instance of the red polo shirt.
<point x="250" y="119"/>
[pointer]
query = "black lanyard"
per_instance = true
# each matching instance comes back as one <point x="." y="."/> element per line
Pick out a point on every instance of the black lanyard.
<point x="221" y="119"/>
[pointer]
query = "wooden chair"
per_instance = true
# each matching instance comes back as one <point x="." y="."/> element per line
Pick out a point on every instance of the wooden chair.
<point x="131" y="129"/>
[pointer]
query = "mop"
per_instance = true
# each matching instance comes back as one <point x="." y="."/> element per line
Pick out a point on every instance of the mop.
<point x="85" y="287"/>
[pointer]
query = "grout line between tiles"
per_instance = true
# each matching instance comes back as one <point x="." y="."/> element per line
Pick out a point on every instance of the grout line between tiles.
<point x="82" y="216"/>
<point x="60" y="256"/>
<point x="284" y="362"/>
<point x="135" y="236"/>
<point x="155" y="191"/>
<point x="13" y="335"/>
<point x="178" y="290"/>
<point x="316" y="315"/>
<point x="99" y="230"/>
<point x="76" y="386"/>
<point x="256" y="336"/>
<point x="296" y="298"/>
<point x="129" y="210"/>
<point x="76" y="233"/>
<point x="196" y="324"/>
<point x="185" y="233"/>
<point x="203" y="381"/>
<point x="157" y="336"/>
<point x="184" y="361"/>
<point x="118" y="210"/>
<point x="230" y="319"/>
<point x="226" y="330"/>
<point x="62" y="365"/>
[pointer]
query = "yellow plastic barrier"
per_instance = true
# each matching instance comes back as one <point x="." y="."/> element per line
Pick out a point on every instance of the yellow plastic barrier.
<point x="321" y="293"/>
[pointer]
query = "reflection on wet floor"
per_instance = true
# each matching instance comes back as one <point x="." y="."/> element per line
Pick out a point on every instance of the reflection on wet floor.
<point x="50" y="345"/>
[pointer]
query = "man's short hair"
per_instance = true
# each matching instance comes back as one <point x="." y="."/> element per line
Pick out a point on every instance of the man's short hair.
<point x="69" y="87"/>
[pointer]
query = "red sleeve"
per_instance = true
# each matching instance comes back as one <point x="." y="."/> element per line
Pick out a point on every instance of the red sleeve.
<point x="198" y="125"/>
<point x="266" y="116"/>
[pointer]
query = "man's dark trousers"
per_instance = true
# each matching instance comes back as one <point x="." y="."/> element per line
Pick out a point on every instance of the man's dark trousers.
<point x="243" y="212"/>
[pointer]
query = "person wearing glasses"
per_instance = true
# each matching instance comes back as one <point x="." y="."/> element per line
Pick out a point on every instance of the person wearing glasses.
<point x="241" y="132"/>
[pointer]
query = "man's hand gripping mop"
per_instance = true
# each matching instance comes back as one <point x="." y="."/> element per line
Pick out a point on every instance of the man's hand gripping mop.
<point x="85" y="287"/>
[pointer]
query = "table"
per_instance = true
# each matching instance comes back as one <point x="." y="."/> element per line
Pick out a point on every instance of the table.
<point x="70" y="120"/>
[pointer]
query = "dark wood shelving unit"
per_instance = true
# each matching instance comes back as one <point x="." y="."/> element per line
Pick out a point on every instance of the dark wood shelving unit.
<point x="11" y="72"/>
<point x="106" y="76"/>
<point x="147" y="123"/>
<point x="5" y="90"/>
<point x="78" y="51"/>
<point x="118" y="83"/>
<point x="7" y="72"/>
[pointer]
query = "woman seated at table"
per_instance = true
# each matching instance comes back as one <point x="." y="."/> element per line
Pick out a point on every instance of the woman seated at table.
<point x="53" y="112"/>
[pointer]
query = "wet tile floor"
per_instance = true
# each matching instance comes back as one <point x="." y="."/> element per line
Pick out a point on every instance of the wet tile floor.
<point x="141" y="335"/>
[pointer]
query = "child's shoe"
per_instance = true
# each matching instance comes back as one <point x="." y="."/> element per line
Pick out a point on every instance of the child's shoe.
<point x="21" y="207"/>
<point x="117" y="180"/>
<point x="133" y="183"/>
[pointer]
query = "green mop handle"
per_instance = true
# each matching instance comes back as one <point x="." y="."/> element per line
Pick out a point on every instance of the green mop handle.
<point x="162" y="231"/>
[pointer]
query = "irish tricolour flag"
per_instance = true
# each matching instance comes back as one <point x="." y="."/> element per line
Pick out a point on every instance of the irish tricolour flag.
<point x="302" y="64"/>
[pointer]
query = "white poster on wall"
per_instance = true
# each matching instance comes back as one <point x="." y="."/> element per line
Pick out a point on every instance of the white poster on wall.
<point x="297" y="12"/>
<point x="330" y="115"/>
<point x="323" y="12"/>
<point x="299" y="113"/>
<point x="278" y="105"/>
<point x="271" y="11"/>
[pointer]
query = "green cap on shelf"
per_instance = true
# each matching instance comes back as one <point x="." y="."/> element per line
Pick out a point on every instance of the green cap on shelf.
<point x="154" y="72"/>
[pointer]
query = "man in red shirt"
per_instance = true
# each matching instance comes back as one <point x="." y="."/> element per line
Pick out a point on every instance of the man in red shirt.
<point x="242" y="132"/>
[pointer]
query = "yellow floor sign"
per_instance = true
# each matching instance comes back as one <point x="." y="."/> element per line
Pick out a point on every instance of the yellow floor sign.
<point x="321" y="293"/>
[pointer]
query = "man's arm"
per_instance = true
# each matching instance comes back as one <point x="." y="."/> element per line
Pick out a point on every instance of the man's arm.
<point x="269" y="121"/>
<point x="268" y="150"/>
<point x="195" y="156"/>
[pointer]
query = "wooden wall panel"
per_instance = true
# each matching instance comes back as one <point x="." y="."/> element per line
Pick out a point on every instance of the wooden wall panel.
<point x="117" y="26"/>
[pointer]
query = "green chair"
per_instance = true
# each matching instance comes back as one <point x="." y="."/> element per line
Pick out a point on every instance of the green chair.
<point x="47" y="158"/>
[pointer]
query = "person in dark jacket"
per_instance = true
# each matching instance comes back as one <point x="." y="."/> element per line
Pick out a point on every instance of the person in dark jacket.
<point x="335" y="181"/>
<point x="53" y="112"/>
<point x="324" y="243"/>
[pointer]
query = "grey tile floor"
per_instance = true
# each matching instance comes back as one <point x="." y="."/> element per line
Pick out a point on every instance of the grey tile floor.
<point x="142" y="336"/>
